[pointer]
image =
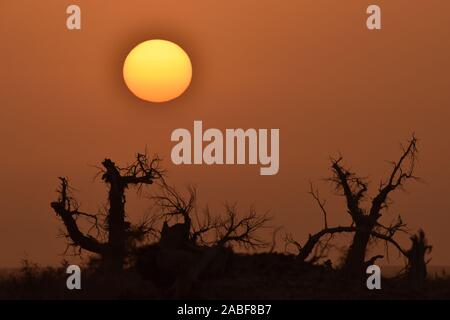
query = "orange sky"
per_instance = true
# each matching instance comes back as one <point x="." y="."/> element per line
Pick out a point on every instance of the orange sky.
<point x="310" y="68"/>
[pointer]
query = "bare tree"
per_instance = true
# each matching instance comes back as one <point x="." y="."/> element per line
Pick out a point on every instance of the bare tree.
<point x="241" y="230"/>
<point x="417" y="261"/>
<point x="206" y="228"/>
<point x="143" y="171"/>
<point x="366" y="223"/>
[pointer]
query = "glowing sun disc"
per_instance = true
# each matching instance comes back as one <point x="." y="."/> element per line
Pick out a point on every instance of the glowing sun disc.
<point x="157" y="71"/>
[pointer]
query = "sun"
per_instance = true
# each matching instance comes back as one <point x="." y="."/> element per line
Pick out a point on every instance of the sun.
<point x="157" y="71"/>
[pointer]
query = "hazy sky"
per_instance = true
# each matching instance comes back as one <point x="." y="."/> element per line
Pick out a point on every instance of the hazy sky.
<point x="309" y="68"/>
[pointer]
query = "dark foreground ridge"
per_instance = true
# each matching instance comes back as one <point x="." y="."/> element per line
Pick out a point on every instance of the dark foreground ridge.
<point x="181" y="252"/>
<point x="259" y="276"/>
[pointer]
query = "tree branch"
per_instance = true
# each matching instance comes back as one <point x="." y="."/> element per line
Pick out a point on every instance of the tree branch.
<point x="321" y="203"/>
<point x="396" y="178"/>
<point x="62" y="208"/>
<point x="354" y="188"/>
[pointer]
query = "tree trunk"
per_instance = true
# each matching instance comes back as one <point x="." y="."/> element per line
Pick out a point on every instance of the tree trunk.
<point x="115" y="256"/>
<point x="355" y="260"/>
<point x="116" y="230"/>
<point x="417" y="264"/>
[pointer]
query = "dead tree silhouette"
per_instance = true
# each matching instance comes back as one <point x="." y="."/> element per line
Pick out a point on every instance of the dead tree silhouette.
<point x="181" y="251"/>
<point x="417" y="263"/>
<point x="203" y="228"/>
<point x="366" y="223"/>
<point x="199" y="245"/>
<point x="113" y="250"/>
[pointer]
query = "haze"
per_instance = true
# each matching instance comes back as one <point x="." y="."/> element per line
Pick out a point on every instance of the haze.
<point x="309" y="68"/>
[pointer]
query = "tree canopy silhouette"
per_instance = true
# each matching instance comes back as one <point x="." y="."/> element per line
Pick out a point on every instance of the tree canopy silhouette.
<point x="365" y="221"/>
<point x="144" y="171"/>
<point x="186" y="236"/>
<point x="115" y="237"/>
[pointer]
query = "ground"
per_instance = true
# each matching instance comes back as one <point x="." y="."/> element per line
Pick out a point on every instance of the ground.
<point x="256" y="276"/>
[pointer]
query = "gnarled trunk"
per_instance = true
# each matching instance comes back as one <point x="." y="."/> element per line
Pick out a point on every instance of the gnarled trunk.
<point x="355" y="261"/>
<point x="417" y="264"/>
<point x="115" y="255"/>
